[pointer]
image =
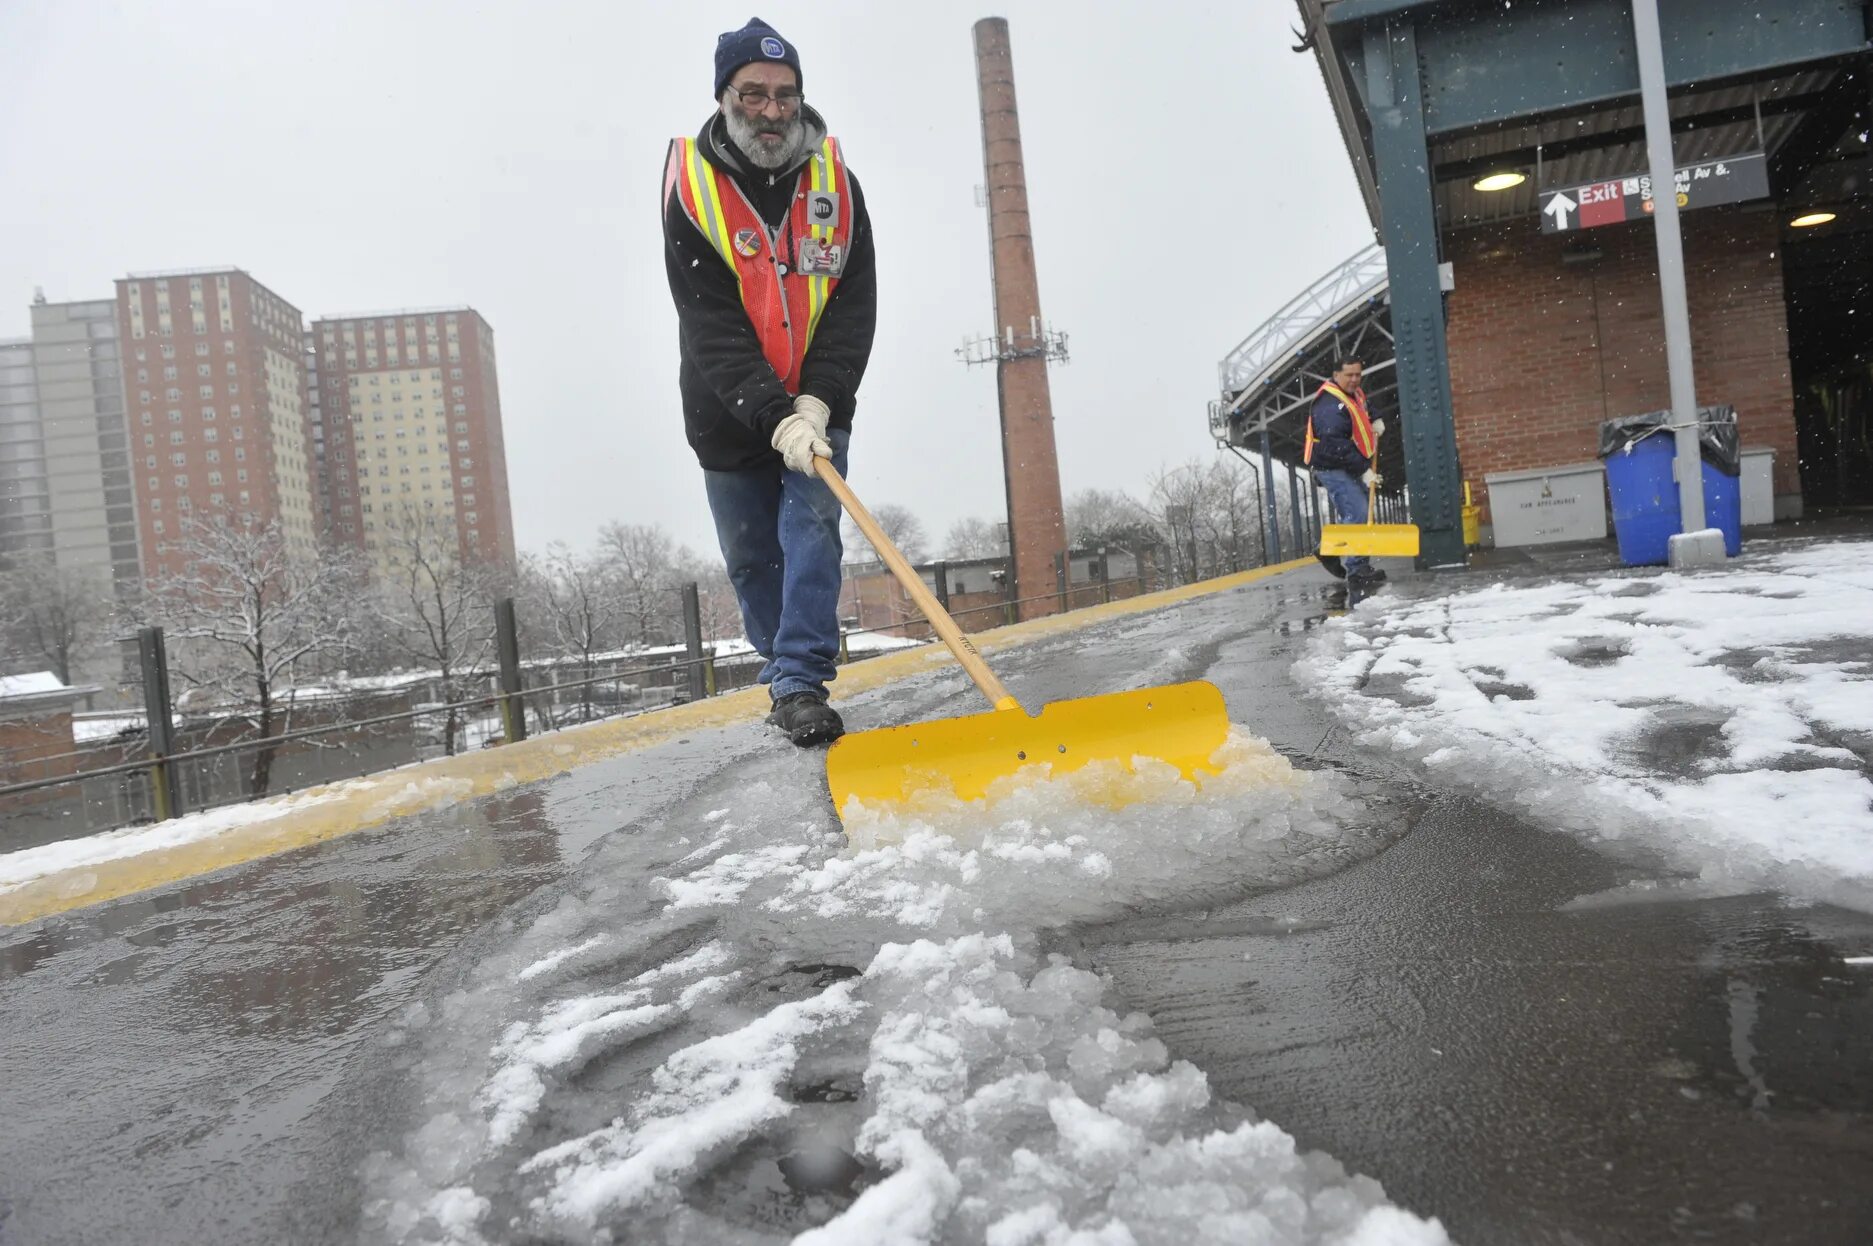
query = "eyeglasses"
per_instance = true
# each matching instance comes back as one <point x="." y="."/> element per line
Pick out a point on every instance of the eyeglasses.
<point x="757" y="101"/>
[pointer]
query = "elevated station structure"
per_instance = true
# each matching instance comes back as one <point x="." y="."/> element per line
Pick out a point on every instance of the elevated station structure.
<point x="1500" y="151"/>
<point x="1271" y="377"/>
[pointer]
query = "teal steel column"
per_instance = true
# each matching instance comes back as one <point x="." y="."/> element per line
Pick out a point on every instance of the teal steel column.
<point x="1395" y="103"/>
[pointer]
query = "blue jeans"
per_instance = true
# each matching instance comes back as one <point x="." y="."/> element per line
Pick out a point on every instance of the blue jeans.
<point x="1347" y="496"/>
<point x="779" y="532"/>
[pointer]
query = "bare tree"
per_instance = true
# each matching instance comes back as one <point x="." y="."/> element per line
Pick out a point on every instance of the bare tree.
<point x="971" y="537"/>
<point x="51" y="617"/>
<point x="244" y="618"/>
<point x="1097" y="517"/>
<point x="721" y="610"/>
<point x="1234" y="496"/>
<point x="642" y="559"/>
<point x="582" y="608"/>
<point x="437" y="608"/>
<point x="901" y="528"/>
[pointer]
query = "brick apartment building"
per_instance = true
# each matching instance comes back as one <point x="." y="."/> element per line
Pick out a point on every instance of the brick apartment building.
<point x="201" y="392"/>
<point x="215" y="391"/>
<point x="409" y="409"/>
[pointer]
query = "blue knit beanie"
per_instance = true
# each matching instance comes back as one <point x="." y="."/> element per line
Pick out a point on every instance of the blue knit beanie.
<point x="757" y="41"/>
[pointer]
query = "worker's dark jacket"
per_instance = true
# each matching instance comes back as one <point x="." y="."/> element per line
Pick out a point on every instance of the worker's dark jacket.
<point x="1333" y="438"/>
<point x="732" y="398"/>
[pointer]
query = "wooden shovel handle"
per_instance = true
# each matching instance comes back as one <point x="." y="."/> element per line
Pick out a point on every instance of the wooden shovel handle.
<point x="933" y="610"/>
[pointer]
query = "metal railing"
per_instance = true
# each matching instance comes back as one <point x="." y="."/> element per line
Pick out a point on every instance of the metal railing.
<point x="1349" y="286"/>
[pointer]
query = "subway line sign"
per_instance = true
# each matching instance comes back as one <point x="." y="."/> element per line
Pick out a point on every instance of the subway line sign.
<point x="1622" y="199"/>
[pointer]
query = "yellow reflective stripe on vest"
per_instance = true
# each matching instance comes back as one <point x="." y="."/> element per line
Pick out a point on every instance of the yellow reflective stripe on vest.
<point x="817" y="290"/>
<point x="1356" y="415"/>
<point x="703" y="192"/>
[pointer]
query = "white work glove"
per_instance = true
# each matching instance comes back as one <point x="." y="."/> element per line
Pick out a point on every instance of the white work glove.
<point x="1370" y="479"/>
<point x="803" y="434"/>
<point x="1378" y="428"/>
<point x="811" y="408"/>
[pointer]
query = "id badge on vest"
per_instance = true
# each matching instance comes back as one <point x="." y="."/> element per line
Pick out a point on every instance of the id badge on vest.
<point x="820" y="259"/>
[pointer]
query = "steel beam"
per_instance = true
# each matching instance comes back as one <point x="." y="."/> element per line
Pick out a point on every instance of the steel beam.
<point x="1348" y="11"/>
<point x="1271" y="532"/>
<point x="1488" y="64"/>
<point x="1466" y="170"/>
<point x="1395" y="100"/>
<point x="1843" y="104"/>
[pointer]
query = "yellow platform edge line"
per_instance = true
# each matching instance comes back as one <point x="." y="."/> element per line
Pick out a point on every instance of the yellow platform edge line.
<point x="344" y="806"/>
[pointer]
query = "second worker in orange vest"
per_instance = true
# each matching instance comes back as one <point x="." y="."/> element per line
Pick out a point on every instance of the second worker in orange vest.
<point x="768" y="250"/>
<point x="1342" y="442"/>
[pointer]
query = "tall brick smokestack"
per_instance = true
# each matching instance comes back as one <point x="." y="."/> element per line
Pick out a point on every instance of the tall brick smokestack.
<point x="1036" y="527"/>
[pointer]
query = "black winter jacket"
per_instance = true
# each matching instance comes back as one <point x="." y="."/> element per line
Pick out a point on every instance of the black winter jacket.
<point x="732" y="397"/>
<point x="1333" y="438"/>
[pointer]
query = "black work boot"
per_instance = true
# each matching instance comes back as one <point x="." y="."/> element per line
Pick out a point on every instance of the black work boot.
<point x="806" y="718"/>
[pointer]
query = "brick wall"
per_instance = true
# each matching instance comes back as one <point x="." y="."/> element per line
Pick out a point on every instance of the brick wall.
<point x="35" y="747"/>
<point x="1541" y="351"/>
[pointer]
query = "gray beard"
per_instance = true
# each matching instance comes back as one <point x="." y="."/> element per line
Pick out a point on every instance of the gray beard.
<point x="746" y="135"/>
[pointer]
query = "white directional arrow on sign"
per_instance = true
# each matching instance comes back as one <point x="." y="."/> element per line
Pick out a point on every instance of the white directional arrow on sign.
<point x="1559" y="207"/>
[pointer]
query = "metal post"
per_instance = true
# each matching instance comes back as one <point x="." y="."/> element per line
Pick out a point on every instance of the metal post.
<point x="692" y="639"/>
<point x="1401" y="157"/>
<point x="1294" y="507"/>
<point x="941" y="571"/>
<point x="165" y="791"/>
<point x="1261" y="518"/>
<point x="1689" y="469"/>
<point x="1313" y="499"/>
<point x="1271" y="534"/>
<point x="507" y="653"/>
<point x="1063" y="574"/>
<point x="845" y="652"/>
<point x="1105" y="575"/>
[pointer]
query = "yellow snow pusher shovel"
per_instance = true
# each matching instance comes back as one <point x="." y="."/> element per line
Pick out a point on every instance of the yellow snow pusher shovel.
<point x="1381" y="540"/>
<point x="1182" y="724"/>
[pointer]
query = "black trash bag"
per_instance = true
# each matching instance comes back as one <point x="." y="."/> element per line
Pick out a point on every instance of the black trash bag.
<point x="1717" y="438"/>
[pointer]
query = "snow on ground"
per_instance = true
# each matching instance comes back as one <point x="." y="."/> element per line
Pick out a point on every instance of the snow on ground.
<point x="36" y="684"/>
<point x="1723" y="718"/>
<point x="739" y="1029"/>
<point x="29" y="864"/>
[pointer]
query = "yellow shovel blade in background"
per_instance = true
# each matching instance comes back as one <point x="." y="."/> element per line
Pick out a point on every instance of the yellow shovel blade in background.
<point x="1381" y="540"/>
<point x="1182" y="724"/>
<point x="1377" y="540"/>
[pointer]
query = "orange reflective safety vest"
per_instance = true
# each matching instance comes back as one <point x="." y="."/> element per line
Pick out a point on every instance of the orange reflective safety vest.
<point x="785" y="283"/>
<point x="1355" y="404"/>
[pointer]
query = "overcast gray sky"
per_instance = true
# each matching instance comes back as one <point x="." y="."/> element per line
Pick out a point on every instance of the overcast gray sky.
<point x="1184" y="174"/>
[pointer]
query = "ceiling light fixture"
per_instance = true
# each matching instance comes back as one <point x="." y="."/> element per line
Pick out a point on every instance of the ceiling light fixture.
<point x="1500" y="181"/>
<point x="1808" y="220"/>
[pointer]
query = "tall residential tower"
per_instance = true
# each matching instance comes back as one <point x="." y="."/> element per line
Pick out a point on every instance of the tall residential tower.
<point x="410" y="412"/>
<point x="215" y="380"/>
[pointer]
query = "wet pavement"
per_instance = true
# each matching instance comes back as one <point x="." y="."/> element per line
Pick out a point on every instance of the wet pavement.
<point x="1526" y="1037"/>
<point x="1533" y="1040"/>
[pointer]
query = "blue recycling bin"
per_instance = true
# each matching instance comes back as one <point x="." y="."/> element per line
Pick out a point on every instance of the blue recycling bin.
<point x="1646" y="514"/>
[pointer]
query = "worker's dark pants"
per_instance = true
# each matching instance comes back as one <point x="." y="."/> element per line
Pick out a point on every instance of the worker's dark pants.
<point x="779" y="532"/>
